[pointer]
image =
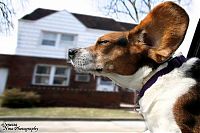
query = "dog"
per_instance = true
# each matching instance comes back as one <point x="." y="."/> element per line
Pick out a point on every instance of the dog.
<point x="143" y="59"/>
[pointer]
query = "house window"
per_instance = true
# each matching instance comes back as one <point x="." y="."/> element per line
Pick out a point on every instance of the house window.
<point x="42" y="74"/>
<point x="82" y="77"/>
<point x="49" y="39"/>
<point x="57" y="39"/>
<point x="60" y="77"/>
<point x="105" y="81"/>
<point x="51" y="75"/>
<point x="104" y="84"/>
<point x="66" y="39"/>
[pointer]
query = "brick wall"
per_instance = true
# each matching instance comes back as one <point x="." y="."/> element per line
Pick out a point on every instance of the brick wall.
<point x="21" y="69"/>
<point x="4" y="61"/>
<point x="128" y="97"/>
<point x="77" y="98"/>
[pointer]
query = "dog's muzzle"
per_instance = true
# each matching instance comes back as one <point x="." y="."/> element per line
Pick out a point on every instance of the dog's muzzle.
<point x="83" y="61"/>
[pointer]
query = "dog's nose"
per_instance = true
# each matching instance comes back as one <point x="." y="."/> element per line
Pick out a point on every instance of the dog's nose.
<point x="72" y="53"/>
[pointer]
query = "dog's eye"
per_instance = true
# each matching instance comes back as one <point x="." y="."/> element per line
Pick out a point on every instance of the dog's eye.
<point x="102" y="42"/>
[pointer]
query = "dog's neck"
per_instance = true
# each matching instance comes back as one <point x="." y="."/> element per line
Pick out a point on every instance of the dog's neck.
<point x="142" y="75"/>
<point x="134" y="81"/>
<point x="137" y="80"/>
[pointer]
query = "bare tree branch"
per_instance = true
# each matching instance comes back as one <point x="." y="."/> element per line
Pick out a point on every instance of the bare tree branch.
<point x="133" y="3"/>
<point x="128" y="10"/>
<point x="7" y="13"/>
<point x="148" y="4"/>
<point x="135" y="9"/>
<point x="6" y="17"/>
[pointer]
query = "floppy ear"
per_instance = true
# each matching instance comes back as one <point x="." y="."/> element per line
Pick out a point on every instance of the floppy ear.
<point x="161" y="31"/>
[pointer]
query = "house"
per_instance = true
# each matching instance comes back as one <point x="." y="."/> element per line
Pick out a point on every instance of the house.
<point x="41" y="60"/>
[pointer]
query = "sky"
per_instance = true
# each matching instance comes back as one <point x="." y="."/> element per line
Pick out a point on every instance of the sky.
<point x="90" y="7"/>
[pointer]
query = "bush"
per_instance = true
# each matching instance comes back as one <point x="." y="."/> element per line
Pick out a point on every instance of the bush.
<point x="15" y="98"/>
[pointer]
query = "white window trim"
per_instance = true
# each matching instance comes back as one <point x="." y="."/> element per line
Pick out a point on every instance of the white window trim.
<point x="42" y="37"/>
<point x="58" y="39"/>
<point x="34" y="73"/>
<point x="111" y="87"/>
<point x="52" y="74"/>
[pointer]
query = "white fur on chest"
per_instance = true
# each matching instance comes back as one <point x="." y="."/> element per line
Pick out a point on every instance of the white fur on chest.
<point x="134" y="81"/>
<point x="157" y="102"/>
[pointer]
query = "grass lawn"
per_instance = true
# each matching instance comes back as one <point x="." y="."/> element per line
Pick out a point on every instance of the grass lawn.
<point x="69" y="112"/>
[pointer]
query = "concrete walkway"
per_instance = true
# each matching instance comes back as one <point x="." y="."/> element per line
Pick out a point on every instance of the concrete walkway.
<point x="72" y="126"/>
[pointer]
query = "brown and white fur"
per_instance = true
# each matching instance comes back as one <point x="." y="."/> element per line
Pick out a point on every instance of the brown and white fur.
<point x="130" y="58"/>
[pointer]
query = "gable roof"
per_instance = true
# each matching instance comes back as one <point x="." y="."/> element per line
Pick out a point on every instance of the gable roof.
<point x="38" y="14"/>
<point x="102" y="23"/>
<point x="89" y="21"/>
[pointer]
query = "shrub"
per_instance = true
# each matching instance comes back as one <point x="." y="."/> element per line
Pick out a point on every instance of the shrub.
<point x="15" y="98"/>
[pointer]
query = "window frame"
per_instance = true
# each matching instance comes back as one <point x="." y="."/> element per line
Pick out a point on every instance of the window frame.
<point x="58" y="40"/>
<point x="42" y="38"/>
<point x="67" y="42"/>
<point x="41" y="75"/>
<point x="109" y="88"/>
<point x="52" y="75"/>
<point x="81" y="74"/>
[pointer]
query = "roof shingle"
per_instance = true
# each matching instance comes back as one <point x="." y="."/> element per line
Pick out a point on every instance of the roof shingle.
<point x="38" y="14"/>
<point x="89" y="21"/>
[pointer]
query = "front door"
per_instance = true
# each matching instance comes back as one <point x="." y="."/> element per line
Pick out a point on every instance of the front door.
<point x="3" y="79"/>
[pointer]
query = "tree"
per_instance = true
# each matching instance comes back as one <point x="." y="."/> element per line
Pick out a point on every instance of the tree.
<point x="7" y="11"/>
<point x="135" y="9"/>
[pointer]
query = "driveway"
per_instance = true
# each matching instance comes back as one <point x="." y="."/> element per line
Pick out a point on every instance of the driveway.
<point x="72" y="126"/>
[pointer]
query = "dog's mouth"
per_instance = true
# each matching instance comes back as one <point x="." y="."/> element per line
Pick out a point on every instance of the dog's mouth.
<point x="99" y="69"/>
<point x="84" y="66"/>
<point x="84" y="69"/>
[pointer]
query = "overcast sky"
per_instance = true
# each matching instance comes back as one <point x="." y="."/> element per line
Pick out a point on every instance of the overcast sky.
<point x="91" y="7"/>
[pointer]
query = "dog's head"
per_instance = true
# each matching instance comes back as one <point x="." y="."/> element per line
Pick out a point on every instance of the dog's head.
<point x="151" y="43"/>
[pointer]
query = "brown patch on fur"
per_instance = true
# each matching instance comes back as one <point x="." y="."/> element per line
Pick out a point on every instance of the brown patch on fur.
<point x="156" y="38"/>
<point x="187" y="111"/>
<point x="163" y="29"/>
<point x="151" y="42"/>
<point x="115" y="57"/>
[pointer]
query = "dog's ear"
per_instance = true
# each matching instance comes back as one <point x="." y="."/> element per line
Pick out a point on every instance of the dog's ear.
<point x="161" y="31"/>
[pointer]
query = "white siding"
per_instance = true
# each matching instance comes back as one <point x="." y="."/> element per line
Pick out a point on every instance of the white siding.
<point x="29" y="35"/>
